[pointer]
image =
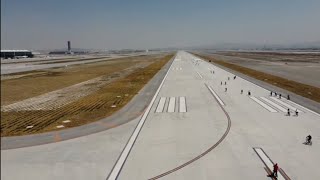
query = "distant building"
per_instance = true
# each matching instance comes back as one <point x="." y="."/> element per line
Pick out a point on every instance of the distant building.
<point x="69" y="47"/>
<point x="67" y="51"/>
<point x="16" y="54"/>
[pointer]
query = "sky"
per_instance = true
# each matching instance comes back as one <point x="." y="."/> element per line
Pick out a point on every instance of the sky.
<point x="147" y="24"/>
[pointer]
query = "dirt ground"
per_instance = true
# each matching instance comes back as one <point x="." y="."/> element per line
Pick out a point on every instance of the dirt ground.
<point x="305" y="90"/>
<point x="113" y="84"/>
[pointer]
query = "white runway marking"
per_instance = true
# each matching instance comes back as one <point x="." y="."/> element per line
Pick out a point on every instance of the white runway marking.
<point x="303" y="107"/>
<point x="60" y="126"/>
<point x="172" y="103"/>
<point x="182" y="104"/>
<point x="29" y="127"/>
<point x="200" y="75"/>
<point x="118" y="166"/>
<point x="267" y="161"/>
<point x="161" y="104"/>
<point x="274" y="104"/>
<point x="66" y="121"/>
<point x="215" y="95"/>
<point x="285" y="104"/>
<point x="263" y="104"/>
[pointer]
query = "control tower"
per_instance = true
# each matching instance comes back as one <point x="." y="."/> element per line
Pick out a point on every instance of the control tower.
<point x="69" y="47"/>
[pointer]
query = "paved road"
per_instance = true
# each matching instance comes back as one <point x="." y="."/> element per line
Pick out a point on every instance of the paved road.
<point x="183" y="145"/>
<point x="192" y="129"/>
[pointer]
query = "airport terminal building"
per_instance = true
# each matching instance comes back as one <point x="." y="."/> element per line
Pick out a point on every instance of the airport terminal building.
<point x="16" y="54"/>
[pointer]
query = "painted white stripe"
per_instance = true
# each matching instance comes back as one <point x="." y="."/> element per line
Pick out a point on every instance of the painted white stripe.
<point x="263" y="104"/>
<point x="182" y="104"/>
<point x="274" y="104"/>
<point x="172" y="104"/>
<point x="285" y="104"/>
<point x="215" y="95"/>
<point x="199" y="75"/>
<point x="118" y="166"/>
<point x="161" y="104"/>
<point x="258" y="86"/>
<point x="267" y="161"/>
<point x="303" y="107"/>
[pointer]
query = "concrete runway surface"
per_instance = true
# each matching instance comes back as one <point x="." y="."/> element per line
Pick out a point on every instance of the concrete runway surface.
<point x="194" y="128"/>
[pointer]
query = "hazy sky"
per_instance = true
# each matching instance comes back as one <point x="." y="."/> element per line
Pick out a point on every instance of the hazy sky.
<point x="114" y="24"/>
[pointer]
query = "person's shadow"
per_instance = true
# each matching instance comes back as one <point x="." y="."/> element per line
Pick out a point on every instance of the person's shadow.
<point x="272" y="176"/>
<point x="306" y="143"/>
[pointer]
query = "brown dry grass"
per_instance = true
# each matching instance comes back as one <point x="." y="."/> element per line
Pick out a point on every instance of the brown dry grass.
<point x="85" y="110"/>
<point x="34" y="83"/>
<point x="74" y="60"/>
<point x="304" y="90"/>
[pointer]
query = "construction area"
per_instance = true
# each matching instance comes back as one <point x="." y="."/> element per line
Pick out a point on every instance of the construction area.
<point x="63" y="97"/>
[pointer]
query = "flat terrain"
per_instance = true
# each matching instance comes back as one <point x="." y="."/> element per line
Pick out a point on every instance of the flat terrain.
<point x="194" y="128"/>
<point x="10" y="66"/>
<point x="73" y="96"/>
<point x="300" y="67"/>
<point x="191" y="145"/>
<point x="305" y="90"/>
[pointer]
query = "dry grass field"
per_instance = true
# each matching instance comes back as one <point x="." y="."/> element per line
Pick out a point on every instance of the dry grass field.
<point x="29" y="84"/>
<point x="99" y="104"/>
<point x="304" y="90"/>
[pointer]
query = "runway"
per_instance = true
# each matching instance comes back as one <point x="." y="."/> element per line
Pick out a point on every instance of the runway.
<point x="198" y="126"/>
<point x="175" y="145"/>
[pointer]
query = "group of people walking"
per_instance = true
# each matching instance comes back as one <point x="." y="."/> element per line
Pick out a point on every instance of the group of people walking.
<point x="280" y="95"/>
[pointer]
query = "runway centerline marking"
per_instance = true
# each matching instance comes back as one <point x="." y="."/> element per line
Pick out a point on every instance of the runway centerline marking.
<point x="263" y="104"/>
<point x="124" y="154"/>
